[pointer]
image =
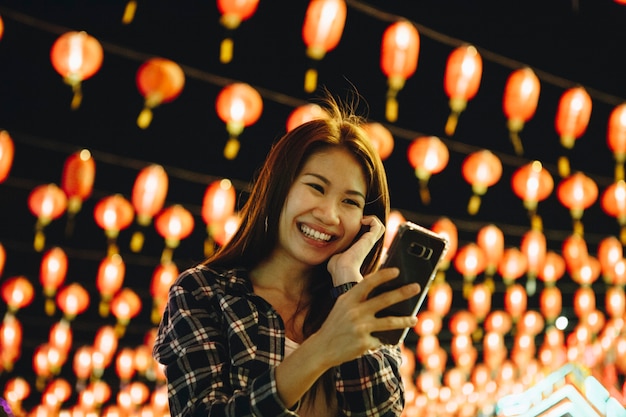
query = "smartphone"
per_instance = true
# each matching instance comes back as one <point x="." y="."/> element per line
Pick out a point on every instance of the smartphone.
<point x="417" y="252"/>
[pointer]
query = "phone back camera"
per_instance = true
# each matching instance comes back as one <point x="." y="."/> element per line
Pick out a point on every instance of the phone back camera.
<point x="420" y="251"/>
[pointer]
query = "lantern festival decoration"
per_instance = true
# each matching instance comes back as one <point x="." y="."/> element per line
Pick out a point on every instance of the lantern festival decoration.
<point x="233" y="13"/>
<point x="227" y="229"/>
<point x="519" y="103"/>
<point x="7" y="153"/>
<point x="491" y="239"/>
<point x="125" y="305"/>
<point x="470" y="262"/>
<point x="129" y="12"/>
<point x="72" y="300"/>
<point x="239" y="105"/>
<point x="610" y="252"/>
<point x="571" y="121"/>
<point x="17" y="293"/>
<point x="381" y="138"/>
<point x="11" y="336"/>
<point x="464" y="70"/>
<point x="113" y="214"/>
<point x="48" y="202"/>
<point x="398" y="61"/>
<point x="163" y="277"/>
<point x="3" y="258"/>
<point x="427" y="155"/>
<point x="174" y="224"/>
<point x="76" y="56"/>
<point x="303" y="114"/>
<point x="79" y="173"/>
<point x="218" y="204"/>
<point x="577" y="192"/>
<point x="148" y="198"/>
<point x="532" y="183"/>
<point x="52" y="274"/>
<point x="109" y="281"/>
<point x="534" y="246"/>
<point x="481" y="169"/>
<point x="321" y="31"/>
<point x="616" y="138"/>
<point x="613" y="202"/>
<point x="159" y="81"/>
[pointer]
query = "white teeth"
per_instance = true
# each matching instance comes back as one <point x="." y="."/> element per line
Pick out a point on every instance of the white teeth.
<point x="315" y="234"/>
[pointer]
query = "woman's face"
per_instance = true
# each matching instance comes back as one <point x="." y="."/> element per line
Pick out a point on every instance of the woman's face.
<point x="323" y="209"/>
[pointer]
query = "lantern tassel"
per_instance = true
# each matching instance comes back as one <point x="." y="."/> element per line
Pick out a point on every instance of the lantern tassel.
<point x="231" y="150"/>
<point x="145" y="118"/>
<point x="622" y="234"/>
<point x="78" y="96"/>
<point x="619" y="171"/>
<point x="310" y="80"/>
<point x="474" y="204"/>
<point x="136" y="241"/>
<point x="391" y="109"/>
<point x="516" y="141"/>
<point x="209" y="246"/>
<point x="453" y="120"/>
<point x="424" y="192"/>
<point x="129" y="12"/>
<point x="226" y="50"/>
<point x="564" y="166"/>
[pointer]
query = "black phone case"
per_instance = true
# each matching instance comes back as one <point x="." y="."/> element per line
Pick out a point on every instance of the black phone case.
<point x="416" y="251"/>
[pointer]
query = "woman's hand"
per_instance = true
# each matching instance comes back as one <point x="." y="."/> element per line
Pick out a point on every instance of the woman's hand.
<point x="346" y="266"/>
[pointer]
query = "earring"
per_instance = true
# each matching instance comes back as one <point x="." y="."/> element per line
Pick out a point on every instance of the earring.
<point x="265" y="224"/>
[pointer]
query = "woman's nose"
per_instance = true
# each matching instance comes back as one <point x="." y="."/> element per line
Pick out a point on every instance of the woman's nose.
<point x="326" y="211"/>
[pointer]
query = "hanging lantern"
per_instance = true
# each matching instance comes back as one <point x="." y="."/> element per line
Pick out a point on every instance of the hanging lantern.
<point x="322" y="29"/>
<point x="60" y="336"/>
<point x="233" y="13"/>
<point x="464" y="70"/>
<point x="479" y="301"/>
<point x="124" y="365"/>
<point x="7" y="152"/>
<point x="217" y="205"/>
<point x="515" y="301"/>
<point x="440" y="297"/>
<point x="111" y="272"/>
<point x="615" y="302"/>
<point x="462" y="322"/>
<point x="481" y="169"/>
<point x="125" y="305"/>
<point x="226" y="229"/>
<point x="616" y="138"/>
<point x="587" y="271"/>
<point x="48" y="202"/>
<point x="577" y="193"/>
<point x="162" y="279"/>
<point x="446" y="228"/>
<point x="534" y="247"/>
<point x="572" y="119"/>
<point x="174" y="224"/>
<point x="305" y="113"/>
<point x="73" y="300"/>
<point x="574" y="250"/>
<point x="610" y="251"/>
<point x="11" y="334"/>
<point x="551" y="303"/>
<point x="238" y="105"/>
<point x="394" y="220"/>
<point x="491" y="239"/>
<point x="76" y="56"/>
<point x="499" y="322"/>
<point x="521" y="95"/>
<point x="469" y="262"/>
<point x="113" y="214"/>
<point x="584" y="301"/>
<point x="553" y="268"/>
<point x="532" y="184"/>
<point x="148" y="198"/>
<point x="427" y="155"/>
<point x="619" y="273"/>
<point x="17" y="293"/>
<point x="79" y="172"/>
<point x="3" y="258"/>
<point x="613" y="202"/>
<point x="398" y="60"/>
<point x="52" y="273"/>
<point x="105" y="345"/>
<point x="512" y="265"/>
<point x="159" y="81"/>
<point x="381" y="138"/>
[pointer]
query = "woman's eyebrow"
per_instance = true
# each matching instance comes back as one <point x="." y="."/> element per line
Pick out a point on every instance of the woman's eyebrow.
<point x="327" y="182"/>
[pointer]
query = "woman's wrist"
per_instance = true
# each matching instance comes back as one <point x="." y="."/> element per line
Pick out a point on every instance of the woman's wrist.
<point x="336" y="291"/>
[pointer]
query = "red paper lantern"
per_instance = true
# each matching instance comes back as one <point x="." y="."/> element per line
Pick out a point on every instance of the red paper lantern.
<point x="305" y="113"/>
<point x="499" y="322"/>
<point x="616" y="138"/>
<point x="534" y="247"/>
<point x="463" y="322"/>
<point x="532" y="183"/>
<point x="217" y="205"/>
<point x="79" y="172"/>
<point x="125" y="305"/>
<point x="512" y="265"/>
<point x="148" y="198"/>
<point x="17" y="293"/>
<point x="113" y="214"/>
<point x="551" y="302"/>
<point x="615" y="302"/>
<point x="76" y="56"/>
<point x="322" y="29"/>
<point x="428" y="323"/>
<point x="398" y="60"/>
<point x="553" y="268"/>
<point x="381" y="138"/>
<point x="159" y="81"/>
<point x="479" y="300"/>
<point x="610" y="251"/>
<point x="3" y="258"/>
<point x="52" y="273"/>
<point x="491" y="239"/>
<point x="48" y="202"/>
<point x="124" y="366"/>
<point x="109" y="280"/>
<point x="162" y="279"/>
<point x="174" y="224"/>
<point x="445" y="227"/>
<point x="572" y="119"/>
<point x="226" y="229"/>
<point x="11" y="334"/>
<point x="462" y="77"/>
<point x="587" y="271"/>
<point x="7" y="152"/>
<point x="584" y="301"/>
<point x="515" y="301"/>
<point x="440" y="298"/>
<point x="481" y="169"/>
<point x="469" y="262"/>
<point x="61" y="336"/>
<point x="574" y="250"/>
<point x="613" y="202"/>
<point x="521" y="95"/>
<point x="233" y="13"/>
<point x="427" y="155"/>
<point x="73" y="300"/>
<point x="105" y="343"/>
<point x="238" y="105"/>
<point x="577" y="193"/>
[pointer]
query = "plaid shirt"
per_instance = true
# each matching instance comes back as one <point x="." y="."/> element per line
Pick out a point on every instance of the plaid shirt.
<point x="220" y="344"/>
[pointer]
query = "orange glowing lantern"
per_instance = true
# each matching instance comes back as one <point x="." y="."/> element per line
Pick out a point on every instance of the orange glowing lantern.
<point x="3" y="258"/>
<point x="427" y="155"/>
<point x="610" y="251"/>
<point x="82" y="363"/>
<point x="61" y="337"/>
<point x="125" y="305"/>
<point x="305" y="113"/>
<point x="113" y="214"/>
<point x="52" y="273"/>
<point x="587" y="271"/>
<point x="321" y="31"/>
<point x="481" y="169"/>
<point x="577" y="192"/>
<point x="381" y="138"/>
<point x="124" y="364"/>
<point x="159" y="81"/>
<point x="394" y="220"/>
<point x="574" y="250"/>
<point x="615" y="301"/>
<point x="619" y="273"/>
<point x="616" y="138"/>
<point x="512" y="265"/>
<point x="111" y="272"/>
<point x="7" y="152"/>
<point x="479" y="301"/>
<point x="469" y="262"/>
<point x="534" y="247"/>
<point x="15" y="391"/>
<point x="584" y="301"/>
<point x="239" y="105"/>
<point x="226" y="229"/>
<point x="613" y="202"/>
<point x="446" y="228"/>
<point x="491" y="239"/>
<point x="17" y="293"/>
<point x="48" y="202"/>
<point x="515" y="301"/>
<point x="233" y="13"/>
<point x="58" y="391"/>
<point x="105" y="345"/>
<point x="148" y="198"/>
<point x="428" y="322"/>
<point x="76" y="56"/>
<point x="79" y="172"/>
<point x="572" y="119"/>
<point x="521" y="95"/>
<point x="1" y="27"/>
<point x="463" y="322"/>
<point x="174" y="224"/>
<point x="440" y="297"/>
<point x="551" y="303"/>
<point x="532" y="183"/>
<point x="217" y="205"/>
<point x="73" y="300"/>
<point x="162" y="279"/>
<point x="398" y="60"/>
<point x="498" y="321"/>
<point x="464" y="70"/>
<point x="11" y="333"/>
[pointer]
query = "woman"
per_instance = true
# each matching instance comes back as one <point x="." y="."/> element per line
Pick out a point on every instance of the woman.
<point x="278" y="322"/>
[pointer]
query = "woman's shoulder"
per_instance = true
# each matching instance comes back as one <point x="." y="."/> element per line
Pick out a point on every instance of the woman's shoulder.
<point x="222" y="279"/>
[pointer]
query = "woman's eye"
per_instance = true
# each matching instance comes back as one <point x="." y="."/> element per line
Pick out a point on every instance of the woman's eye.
<point x="353" y="202"/>
<point x="316" y="187"/>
